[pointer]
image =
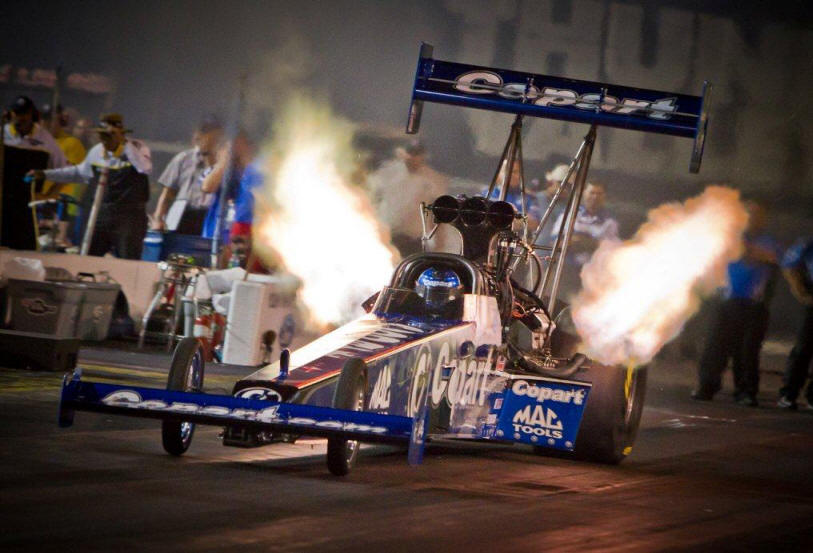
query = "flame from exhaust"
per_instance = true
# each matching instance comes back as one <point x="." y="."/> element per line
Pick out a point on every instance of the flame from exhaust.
<point x="638" y="294"/>
<point x="313" y="222"/>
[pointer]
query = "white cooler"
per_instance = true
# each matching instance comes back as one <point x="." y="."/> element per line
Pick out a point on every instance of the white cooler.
<point x="257" y="305"/>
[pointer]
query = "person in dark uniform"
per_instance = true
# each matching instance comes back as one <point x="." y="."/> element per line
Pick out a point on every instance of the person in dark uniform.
<point x="741" y="321"/>
<point x="26" y="143"/>
<point x="797" y="266"/>
<point x="122" y="220"/>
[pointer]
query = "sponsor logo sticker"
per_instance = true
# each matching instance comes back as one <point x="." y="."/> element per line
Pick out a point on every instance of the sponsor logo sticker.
<point x="133" y="400"/>
<point x="538" y="421"/>
<point x="489" y="82"/>
<point x="380" y="398"/>
<point x="264" y="394"/>
<point x="545" y="393"/>
<point x="36" y="306"/>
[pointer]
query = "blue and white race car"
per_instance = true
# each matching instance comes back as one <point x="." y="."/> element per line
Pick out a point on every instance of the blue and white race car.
<point x="454" y="347"/>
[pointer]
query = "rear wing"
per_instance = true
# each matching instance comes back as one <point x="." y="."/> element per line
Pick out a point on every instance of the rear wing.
<point x="573" y="100"/>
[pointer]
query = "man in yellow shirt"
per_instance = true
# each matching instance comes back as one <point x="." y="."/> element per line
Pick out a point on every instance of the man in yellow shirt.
<point x="70" y="145"/>
<point x="75" y="153"/>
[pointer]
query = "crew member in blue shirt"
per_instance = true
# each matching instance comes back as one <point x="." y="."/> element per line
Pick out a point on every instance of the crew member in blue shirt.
<point x="594" y="223"/>
<point x="739" y="327"/>
<point x="797" y="266"/>
<point x="514" y="197"/>
<point x="239" y="154"/>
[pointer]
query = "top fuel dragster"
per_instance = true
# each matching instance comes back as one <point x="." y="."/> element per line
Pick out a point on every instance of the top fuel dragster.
<point x="454" y="346"/>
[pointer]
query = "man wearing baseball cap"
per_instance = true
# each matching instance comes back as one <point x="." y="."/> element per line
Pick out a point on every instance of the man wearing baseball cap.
<point x="26" y="144"/>
<point x="122" y="220"/>
<point x="25" y="132"/>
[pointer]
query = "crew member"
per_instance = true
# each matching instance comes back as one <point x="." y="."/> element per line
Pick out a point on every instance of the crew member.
<point x="797" y="266"/>
<point x="552" y="180"/>
<point x="514" y="197"/>
<point x="396" y="190"/>
<point x="83" y="131"/>
<point x="593" y="224"/>
<point x="240" y="244"/>
<point x="235" y="157"/>
<point x="25" y="132"/>
<point x="56" y="121"/>
<point x="182" y="180"/>
<point x="122" y="219"/>
<point x="27" y="144"/>
<point x="742" y="318"/>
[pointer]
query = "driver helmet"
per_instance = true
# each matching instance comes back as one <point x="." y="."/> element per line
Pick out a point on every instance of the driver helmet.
<point x="438" y="287"/>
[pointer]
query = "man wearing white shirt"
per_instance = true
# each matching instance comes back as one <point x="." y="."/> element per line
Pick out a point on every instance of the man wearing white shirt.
<point x="183" y="204"/>
<point x="398" y="187"/>
<point x="122" y="220"/>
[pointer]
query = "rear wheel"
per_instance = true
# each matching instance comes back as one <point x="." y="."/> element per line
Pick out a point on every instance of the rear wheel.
<point x="349" y="394"/>
<point x="185" y="375"/>
<point x="612" y="414"/>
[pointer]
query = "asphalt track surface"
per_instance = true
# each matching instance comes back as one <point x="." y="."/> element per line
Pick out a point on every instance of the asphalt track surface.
<point x="703" y="477"/>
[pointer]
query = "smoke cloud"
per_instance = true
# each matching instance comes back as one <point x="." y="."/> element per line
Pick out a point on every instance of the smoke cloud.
<point x="312" y="221"/>
<point x="638" y="294"/>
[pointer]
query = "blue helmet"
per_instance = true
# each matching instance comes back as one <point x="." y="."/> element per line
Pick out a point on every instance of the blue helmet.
<point x="438" y="287"/>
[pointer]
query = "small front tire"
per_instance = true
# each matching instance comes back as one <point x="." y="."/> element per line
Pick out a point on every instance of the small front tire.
<point x="350" y="394"/>
<point x="185" y="375"/>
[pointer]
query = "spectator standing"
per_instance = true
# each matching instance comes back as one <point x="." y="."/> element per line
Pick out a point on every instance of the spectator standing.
<point x="25" y="132"/>
<point x="239" y="154"/>
<point x="797" y="266"/>
<point x="398" y="187"/>
<point x="739" y="327"/>
<point x="552" y="180"/>
<point x="27" y="144"/>
<point x="593" y="224"/>
<point x="514" y="197"/>
<point x="122" y="220"/>
<point x="240" y="245"/>
<point x="83" y="131"/>
<point x="56" y="121"/>
<point x="182" y="179"/>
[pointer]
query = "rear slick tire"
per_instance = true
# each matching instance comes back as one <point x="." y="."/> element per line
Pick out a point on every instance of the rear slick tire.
<point x="350" y="394"/>
<point x="612" y="414"/>
<point x="185" y="375"/>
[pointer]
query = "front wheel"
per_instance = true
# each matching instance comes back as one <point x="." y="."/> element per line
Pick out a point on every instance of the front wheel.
<point x="185" y="375"/>
<point x="349" y="394"/>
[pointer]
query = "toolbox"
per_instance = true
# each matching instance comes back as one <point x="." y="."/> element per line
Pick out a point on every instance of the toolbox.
<point x="64" y="309"/>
